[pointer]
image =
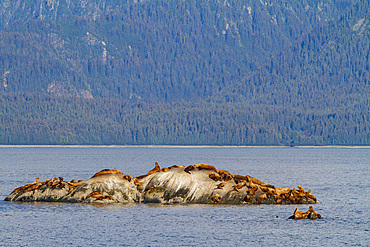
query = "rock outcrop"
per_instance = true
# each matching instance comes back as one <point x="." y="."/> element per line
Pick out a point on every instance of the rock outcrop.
<point x="200" y="183"/>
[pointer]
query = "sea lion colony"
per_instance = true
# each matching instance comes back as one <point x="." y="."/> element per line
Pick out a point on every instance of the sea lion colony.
<point x="199" y="183"/>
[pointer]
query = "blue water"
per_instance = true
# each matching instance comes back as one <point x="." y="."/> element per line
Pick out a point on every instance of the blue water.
<point x="338" y="177"/>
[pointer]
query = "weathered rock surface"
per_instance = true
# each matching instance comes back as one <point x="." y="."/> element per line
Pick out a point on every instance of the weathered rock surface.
<point x="198" y="183"/>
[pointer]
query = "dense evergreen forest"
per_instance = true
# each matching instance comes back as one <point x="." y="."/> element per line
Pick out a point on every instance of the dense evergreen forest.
<point x="235" y="72"/>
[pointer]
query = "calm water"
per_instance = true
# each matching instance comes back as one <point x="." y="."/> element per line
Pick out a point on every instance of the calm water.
<point x="338" y="177"/>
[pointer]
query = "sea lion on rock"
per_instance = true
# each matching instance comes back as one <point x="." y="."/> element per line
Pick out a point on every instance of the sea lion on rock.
<point x="221" y="185"/>
<point x="25" y="186"/>
<point x="155" y="169"/>
<point x="202" y="166"/>
<point x="214" y="176"/>
<point x="98" y="196"/>
<point x="216" y="198"/>
<point x="175" y="166"/>
<point x="224" y="174"/>
<point x="310" y="214"/>
<point x="247" y="198"/>
<point x="107" y="171"/>
<point x="189" y="168"/>
<point x="254" y="180"/>
<point x="239" y="185"/>
<point x="128" y="177"/>
<point x="237" y="178"/>
<point x="165" y="169"/>
<point x="150" y="187"/>
<point x="141" y="176"/>
<point x="261" y="198"/>
<point x="137" y="182"/>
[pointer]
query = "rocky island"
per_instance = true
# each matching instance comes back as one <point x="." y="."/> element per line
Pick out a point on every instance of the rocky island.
<point x="199" y="183"/>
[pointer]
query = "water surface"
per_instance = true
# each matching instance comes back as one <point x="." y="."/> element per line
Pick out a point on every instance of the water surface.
<point x="338" y="177"/>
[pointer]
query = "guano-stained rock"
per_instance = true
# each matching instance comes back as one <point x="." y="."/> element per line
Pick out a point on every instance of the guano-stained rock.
<point x="199" y="183"/>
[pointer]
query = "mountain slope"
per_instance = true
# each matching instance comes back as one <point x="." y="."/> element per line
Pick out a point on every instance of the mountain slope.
<point x="193" y="72"/>
<point x="150" y="49"/>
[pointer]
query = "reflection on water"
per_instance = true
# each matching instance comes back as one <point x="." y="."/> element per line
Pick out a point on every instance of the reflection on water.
<point x="339" y="178"/>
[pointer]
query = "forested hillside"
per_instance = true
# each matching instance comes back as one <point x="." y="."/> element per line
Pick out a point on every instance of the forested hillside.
<point x="185" y="72"/>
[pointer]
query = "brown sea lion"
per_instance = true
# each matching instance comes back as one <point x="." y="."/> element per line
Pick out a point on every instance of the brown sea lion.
<point x="239" y="178"/>
<point x="141" y="176"/>
<point x="301" y="189"/>
<point x="214" y="176"/>
<point x="107" y="171"/>
<point x="297" y="215"/>
<point x="312" y="214"/>
<point x="155" y="169"/>
<point x="165" y="169"/>
<point x="216" y="198"/>
<point x="254" y="180"/>
<point x="96" y="195"/>
<point x="247" y="198"/>
<point x="32" y="187"/>
<point x="221" y="185"/>
<point x="189" y="168"/>
<point x="239" y="185"/>
<point x="309" y="195"/>
<point x="280" y="191"/>
<point x="175" y="166"/>
<point x="127" y="177"/>
<point x="150" y="187"/>
<point x="137" y="182"/>
<point x="25" y="186"/>
<point x="202" y="166"/>
<point x="224" y="174"/>
<point x="261" y="198"/>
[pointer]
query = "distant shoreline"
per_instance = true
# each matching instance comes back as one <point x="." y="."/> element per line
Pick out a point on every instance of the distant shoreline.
<point x="173" y="146"/>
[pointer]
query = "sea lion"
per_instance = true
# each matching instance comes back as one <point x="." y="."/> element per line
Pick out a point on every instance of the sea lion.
<point x="128" y="177"/>
<point x="280" y="191"/>
<point x="32" y="187"/>
<point x="155" y="169"/>
<point x="202" y="166"/>
<point x="25" y="186"/>
<point x="254" y="180"/>
<point x="224" y="174"/>
<point x="247" y="198"/>
<point x="309" y="195"/>
<point x="239" y="185"/>
<point x="312" y="214"/>
<point x="237" y="178"/>
<point x="137" y="182"/>
<point x="216" y="198"/>
<point x="221" y="185"/>
<point x="55" y="182"/>
<point x="150" y="187"/>
<point x="189" y="168"/>
<point x="98" y="196"/>
<point x="296" y="215"/>
<point x="175" y="166"/>
<point x="214" y="176"/>
<point x="261" y="198"/>
<point x="165" y="169"/>
<point x="141" y="176"/>
<point x="107" y="171"/>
